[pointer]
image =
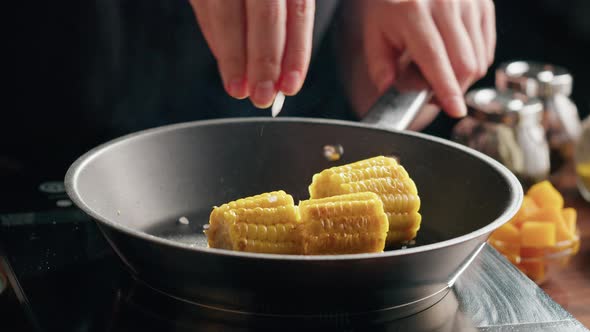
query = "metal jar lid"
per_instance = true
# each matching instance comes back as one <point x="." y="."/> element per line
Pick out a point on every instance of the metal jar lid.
<point x="534" y="79"/>
<point x="506" y="106"/>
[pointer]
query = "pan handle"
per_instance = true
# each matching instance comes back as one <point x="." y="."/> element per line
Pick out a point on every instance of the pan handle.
<point x="400" y="104"/>
<point x="395" y="109"/>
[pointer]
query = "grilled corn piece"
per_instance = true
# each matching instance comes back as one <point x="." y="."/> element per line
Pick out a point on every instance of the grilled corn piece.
<point x="265" y="223"/>
<point x="343" y="224"/>
<point x="383" y="176"/>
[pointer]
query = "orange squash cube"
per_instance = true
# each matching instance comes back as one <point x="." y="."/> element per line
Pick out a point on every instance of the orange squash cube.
<point x="527" y="209"/>
<point x="547" y="214"/>
<point x="554" y="215"/>
<point x="507" y="233"/>
<point x="570" y="215"/>
<point x="576" y="247"/>
<point x="537" y="234"/>
<point x="562" y="231"/>
<point x="545" y="195"/>
<point x="532" y="252"/>
<point x="506" y="239"/>
<point x="534" y="270"/>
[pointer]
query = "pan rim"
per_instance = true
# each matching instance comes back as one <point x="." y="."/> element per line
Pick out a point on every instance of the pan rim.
<point x="73" y="172"/>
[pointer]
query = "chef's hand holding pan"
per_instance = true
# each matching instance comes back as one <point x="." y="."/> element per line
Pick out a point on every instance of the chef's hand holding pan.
<point x="261" y="46"/>
<point x="452" y="42"/>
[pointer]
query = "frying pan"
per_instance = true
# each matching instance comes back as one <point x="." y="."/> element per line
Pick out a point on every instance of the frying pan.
<point x="137" y="188"/>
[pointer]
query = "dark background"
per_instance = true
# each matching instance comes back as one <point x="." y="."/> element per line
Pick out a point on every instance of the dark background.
<point x="82" y="72"/>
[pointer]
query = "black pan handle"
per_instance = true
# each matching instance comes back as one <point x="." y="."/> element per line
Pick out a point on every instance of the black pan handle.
<point x="395" y="109"/>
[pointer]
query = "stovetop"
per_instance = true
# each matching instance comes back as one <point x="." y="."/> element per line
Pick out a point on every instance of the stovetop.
<point x="63" y="276"/>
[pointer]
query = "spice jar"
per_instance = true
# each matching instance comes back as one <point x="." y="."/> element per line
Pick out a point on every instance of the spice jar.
<point x="553" y="86"/>
<point x="507" y="126"/>
<point x="582" y="159"/>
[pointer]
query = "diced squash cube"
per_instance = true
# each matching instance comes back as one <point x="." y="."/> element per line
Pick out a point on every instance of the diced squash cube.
<point x="511" y="251"/>
<point x="562" y="231"/>
<point x="576" y="247"/>
<point x="527" y="209"/>
<point x="545" y="195"/>
<point x="548" y="214"/>
<point x="545" y="214"/>
<point x="506" y="239"/>
<point x="534" y="270"/>
<point x="570" y="216"/>
<point x="507" y="233"/>
<point x="532" y="252"/>
<point x="554" y="215"/>
<point x="537" y="234"/>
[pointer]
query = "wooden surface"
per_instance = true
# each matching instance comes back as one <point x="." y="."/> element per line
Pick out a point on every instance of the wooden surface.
<point x="571" y="287"/>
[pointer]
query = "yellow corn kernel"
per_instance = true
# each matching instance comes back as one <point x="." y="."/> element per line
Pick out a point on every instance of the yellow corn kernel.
<point x="383" y="176"/>
<point x="343" y="224"/>
<point x="265" y="223"/>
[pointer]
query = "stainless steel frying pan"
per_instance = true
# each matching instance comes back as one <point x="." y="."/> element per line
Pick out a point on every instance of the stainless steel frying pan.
<point x="137" y="187"/>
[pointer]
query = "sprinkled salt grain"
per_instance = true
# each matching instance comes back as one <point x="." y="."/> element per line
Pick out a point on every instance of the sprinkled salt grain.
<point x="63" y="203"/>
<point x="206" y="226"/>
<point x="393" y="156"/>
<point x="333" y="152"/>
<point x="183" y="220"/>
<point x="272" y="198"/>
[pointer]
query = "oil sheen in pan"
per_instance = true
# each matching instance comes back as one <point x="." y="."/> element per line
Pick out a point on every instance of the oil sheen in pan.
<point x="188" y="229"/>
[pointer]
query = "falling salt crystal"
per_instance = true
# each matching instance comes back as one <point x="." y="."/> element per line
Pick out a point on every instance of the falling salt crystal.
<point x="206" y="226"/>
<point x="393" y="156"/>
<point x="183" y="220"/>
<point x="63" y="203"/>
<point x="333" y="152"/>
<point x="118" y="212"/>
<point x="272" y="198"/>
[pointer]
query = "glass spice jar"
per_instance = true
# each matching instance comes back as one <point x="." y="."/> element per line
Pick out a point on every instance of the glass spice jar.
<point x="506" y="126"/>
<point x="582" y="159"/>
<point x="552" y="85"/>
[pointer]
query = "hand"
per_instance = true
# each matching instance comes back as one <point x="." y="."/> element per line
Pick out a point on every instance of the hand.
<point x="261" y="46"/>
<point x="451" y="41"/>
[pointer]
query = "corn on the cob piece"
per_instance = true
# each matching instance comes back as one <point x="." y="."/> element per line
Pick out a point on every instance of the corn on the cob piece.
<point x="383" y="176"/>
<point x="344" y="224"/>
<point x="265" y="223"/>
<point x="321" y="182"/>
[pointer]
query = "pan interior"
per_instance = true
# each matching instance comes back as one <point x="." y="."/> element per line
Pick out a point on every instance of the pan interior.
<point x="156" y="182"/>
